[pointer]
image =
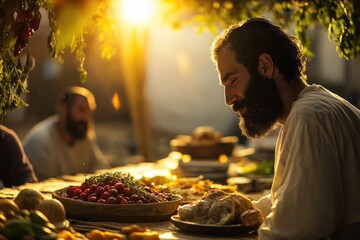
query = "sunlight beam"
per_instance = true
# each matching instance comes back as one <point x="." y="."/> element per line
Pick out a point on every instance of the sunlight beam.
<point x="137" y="11"/>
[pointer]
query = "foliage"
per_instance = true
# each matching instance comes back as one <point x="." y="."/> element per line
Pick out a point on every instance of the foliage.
<point x="71" y="20"/>
<point x="18" y="21"/>
<point x="341" y="18"/>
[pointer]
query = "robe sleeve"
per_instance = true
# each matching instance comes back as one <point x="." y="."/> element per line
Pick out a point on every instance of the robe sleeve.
<point x="305" y="205"/>
<point x="264" y="205"/>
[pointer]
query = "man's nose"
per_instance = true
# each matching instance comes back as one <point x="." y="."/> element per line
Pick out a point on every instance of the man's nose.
<point x="230" y="99"/>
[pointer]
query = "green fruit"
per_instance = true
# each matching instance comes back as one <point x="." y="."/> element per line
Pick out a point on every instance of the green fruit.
<point x="40" y="230"/>
<point x="48" y="237"/>
<point x="17" y="228"/>
<point x="51" y="227"/>
<point x="2" y="218"/>
<point x="38" y="217"/>
<point x="22" y="214"/>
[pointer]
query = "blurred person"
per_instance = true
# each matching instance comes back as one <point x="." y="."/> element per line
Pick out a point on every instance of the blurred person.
<point x="15" y="168"/>
<point x="316" y="187"/>
<point x="65" y="144"/>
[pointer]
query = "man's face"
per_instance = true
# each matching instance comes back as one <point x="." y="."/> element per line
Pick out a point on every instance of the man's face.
<point x="78" y="119"/>
<point x="253" y="97"/>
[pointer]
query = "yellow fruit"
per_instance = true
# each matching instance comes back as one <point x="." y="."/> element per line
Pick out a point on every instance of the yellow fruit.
<point x="8" y="207"/>
<point x="29" y="198"/>
<point x="66" y="235"/>
<point x="149" y="235"/>
<point x="95" y="235"/>
<point x="133" y="228"/>
<point x="112" y="236"/>
<point x="53" y="210"/>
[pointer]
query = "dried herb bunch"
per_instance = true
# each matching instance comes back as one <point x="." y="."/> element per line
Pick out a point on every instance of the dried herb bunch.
<point x="68" y="21"/>
<point x="117" y="188"/>
<point x="19" y="19"/>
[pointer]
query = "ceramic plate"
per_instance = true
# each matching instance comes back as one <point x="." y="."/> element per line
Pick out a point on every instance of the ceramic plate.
<point x="211" y="229"/>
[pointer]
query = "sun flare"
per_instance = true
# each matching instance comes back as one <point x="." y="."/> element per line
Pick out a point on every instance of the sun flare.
<point x="137" y="11"/>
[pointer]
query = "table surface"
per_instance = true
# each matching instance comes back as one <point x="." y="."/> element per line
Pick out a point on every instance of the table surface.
<point x="165" y="228"/>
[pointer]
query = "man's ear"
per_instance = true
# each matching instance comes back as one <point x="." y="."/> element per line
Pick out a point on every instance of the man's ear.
<point x="266" y="66"/>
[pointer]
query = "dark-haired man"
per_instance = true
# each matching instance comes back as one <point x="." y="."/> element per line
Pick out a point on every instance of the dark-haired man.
<point x="15" y="168"/>
<point x="315" y="192"/>
<point x="66" y="143"/>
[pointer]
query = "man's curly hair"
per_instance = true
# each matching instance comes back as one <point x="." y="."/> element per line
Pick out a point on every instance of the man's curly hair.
<point x="256" y="36"/>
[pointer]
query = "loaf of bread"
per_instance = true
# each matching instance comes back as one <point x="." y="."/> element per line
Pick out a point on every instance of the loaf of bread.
<point x="205" y="134"/>
<point x="222" y="212"/>
<point x="221" y="208"/>
<point x="251" y="217"/>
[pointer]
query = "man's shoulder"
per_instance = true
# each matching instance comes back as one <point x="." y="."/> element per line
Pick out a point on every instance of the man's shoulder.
<point x="316" y="100"/>
<point x="8" y="137"/>
<point x="6" y="132"/>
<point x="43" y="130"/>
<point x="319" y="104"/>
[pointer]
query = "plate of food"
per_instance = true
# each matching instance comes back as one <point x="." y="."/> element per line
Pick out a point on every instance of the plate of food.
<point x="211" y="229"/>
<point x="117" y="197"/>
<point x="218" y="212"/>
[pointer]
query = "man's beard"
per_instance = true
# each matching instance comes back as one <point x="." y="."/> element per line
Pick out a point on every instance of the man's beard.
<point x="77" y="129"/>
<point x="263" y="107"/>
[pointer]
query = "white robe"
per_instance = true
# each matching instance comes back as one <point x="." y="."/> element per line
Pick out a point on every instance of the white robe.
<point x="52" y="157"/>
<point x="316" y="187"/>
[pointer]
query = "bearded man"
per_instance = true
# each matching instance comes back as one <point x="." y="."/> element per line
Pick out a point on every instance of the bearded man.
<point x="316" y="188"/>
<point x="65" y="144"/>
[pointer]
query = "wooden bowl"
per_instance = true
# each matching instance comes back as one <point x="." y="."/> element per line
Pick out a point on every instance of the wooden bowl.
<point x="82" y="210"/>
<point x="206" y="150"/>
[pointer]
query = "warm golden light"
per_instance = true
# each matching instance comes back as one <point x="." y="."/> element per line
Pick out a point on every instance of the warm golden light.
<point x="157" y="172"/>
<point x="168" y="235"/>
<point x="116" y="101"/>
<point x="137" y="11"/>
<point x="223" y="158"/>
<point x="175" y="155"/>
<point x="186" y="158"/>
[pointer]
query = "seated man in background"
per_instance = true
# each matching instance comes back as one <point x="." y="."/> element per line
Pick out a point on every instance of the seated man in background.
<point x="66" y="143"/>
<point x="15" y="168"/>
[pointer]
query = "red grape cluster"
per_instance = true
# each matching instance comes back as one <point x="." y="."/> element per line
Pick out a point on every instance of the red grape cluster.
<point x="115" y="192"/>
<point x="26" y="23"/>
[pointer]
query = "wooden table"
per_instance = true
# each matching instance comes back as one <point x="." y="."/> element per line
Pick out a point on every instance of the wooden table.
<point x="166" y="229"/>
